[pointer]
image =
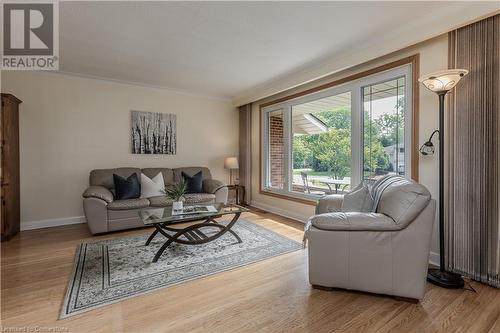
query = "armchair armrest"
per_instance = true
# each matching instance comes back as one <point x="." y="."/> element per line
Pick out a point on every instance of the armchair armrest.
<point x="329" y="203"/>
<point x="212" y="185"/>
<point x="99" y="192"/>
<point x="353" y="221"/>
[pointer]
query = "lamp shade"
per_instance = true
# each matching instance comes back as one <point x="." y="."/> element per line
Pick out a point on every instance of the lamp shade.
<point x="442" y="81"/>
<point x="231" y="163"/>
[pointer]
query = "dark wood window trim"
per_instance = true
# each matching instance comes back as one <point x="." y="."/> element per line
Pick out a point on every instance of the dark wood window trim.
<point x="414" y="60"/>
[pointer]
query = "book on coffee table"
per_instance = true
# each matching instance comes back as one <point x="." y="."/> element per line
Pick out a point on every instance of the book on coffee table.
<point x="194" y="210"/>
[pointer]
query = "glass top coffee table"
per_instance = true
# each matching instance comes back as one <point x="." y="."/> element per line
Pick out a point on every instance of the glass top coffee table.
<point x="163" y="220"/>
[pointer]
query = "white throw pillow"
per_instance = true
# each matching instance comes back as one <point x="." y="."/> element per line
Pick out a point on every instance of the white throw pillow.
<point x="152" y="187"/>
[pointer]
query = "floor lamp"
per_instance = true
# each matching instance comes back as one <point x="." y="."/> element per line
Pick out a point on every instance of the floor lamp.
<point x="231" y="163"/>
<point x="440" y="83"/>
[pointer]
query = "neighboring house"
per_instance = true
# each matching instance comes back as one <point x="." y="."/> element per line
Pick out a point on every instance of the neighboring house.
<point x="396" y="157"/>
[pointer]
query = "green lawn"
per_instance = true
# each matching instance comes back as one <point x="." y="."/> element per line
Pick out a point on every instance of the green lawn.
<point x="311" y="172"/>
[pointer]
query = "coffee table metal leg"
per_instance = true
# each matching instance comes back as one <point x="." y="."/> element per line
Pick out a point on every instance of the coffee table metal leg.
<point x="152" y="236"/>
<point x="235" y="236"/>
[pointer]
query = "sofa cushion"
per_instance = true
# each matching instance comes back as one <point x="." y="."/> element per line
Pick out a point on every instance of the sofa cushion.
<point x="128" y="204"/>
<point x="193" y="182"/>
<point x="129" y="188"/>
<point x="403" y="200"/>
<point x="168" y="174"/>
<point x="160" y="201"/>
<point x="205" y="173"/>
<point x="104" y="177"/>
<point x="199" y="198"/>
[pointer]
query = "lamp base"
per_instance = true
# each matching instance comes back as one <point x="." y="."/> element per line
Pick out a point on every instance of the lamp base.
<point x="444" y="279"/>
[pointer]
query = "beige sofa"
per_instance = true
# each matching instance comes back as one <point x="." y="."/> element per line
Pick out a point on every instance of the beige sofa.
<point x="383" y="251"/>
<point x="105" y="214"/>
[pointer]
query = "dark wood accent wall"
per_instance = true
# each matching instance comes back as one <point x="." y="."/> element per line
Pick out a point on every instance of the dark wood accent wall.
<point x="9" y="179"/>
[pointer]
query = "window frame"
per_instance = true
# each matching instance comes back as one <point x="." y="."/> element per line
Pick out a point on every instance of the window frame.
<point x="354" y="84"/>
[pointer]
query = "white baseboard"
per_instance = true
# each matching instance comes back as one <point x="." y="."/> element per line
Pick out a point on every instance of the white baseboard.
<point x="31" y="225"/>
<point x="279" y="211"/>
<point x="434" y="258"/>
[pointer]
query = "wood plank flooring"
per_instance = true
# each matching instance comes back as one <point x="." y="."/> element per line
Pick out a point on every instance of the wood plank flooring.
<point x="269" y="296"/>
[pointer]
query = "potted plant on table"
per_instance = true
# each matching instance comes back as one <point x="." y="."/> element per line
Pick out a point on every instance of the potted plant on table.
<point x="176" y="193"/>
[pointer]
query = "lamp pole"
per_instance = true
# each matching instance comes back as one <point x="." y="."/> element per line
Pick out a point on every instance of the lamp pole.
<point x="441" y="277"/>
<point x="440" y="83"/>
<point x="441" y="180"/>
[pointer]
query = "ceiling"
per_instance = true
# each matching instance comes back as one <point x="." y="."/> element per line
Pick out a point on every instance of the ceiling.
<point x="228" y="49"/>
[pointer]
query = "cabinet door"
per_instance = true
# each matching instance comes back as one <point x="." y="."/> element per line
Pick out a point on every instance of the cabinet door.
<point x="10" y="212"/>
<point x="10" y="168"/>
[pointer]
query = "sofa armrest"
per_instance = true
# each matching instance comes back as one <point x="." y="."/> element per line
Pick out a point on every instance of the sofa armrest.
<point x="96" y="214"/>
<point x="216" y="187"/>
<point x="99" y="192"/>
<point x="353" y="221"/>
<point x="212" y="185"/>
<point x="329" y="203"/>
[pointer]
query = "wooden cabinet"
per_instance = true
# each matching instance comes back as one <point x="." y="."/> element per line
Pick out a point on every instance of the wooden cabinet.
<point x="9" y="173"/>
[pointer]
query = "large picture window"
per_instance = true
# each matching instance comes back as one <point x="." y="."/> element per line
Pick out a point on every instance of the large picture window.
<point x="330" y="140"/>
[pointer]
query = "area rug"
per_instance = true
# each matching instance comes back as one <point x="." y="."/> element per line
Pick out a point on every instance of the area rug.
<point x="112" y="270"/>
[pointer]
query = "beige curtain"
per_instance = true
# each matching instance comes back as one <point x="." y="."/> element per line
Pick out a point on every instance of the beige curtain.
<point x="472" y="183"/>
<point x="245" y="157"/>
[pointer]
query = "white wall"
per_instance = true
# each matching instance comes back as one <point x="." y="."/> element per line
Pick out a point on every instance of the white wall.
<point x="433" y="57"/>
<point x="70" y="125"/>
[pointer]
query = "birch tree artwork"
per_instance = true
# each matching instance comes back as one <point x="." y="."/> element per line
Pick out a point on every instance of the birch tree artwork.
<point x="153" y="133"/>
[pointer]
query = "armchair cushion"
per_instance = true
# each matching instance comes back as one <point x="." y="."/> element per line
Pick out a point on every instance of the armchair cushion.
<point x="99" y="192"/>
<point x="358" y="200"/>
<point x="354" y="221"/>
<point x="329" y="203"/>
<point x="212" y="185"/>
<point x="403" y="201"/>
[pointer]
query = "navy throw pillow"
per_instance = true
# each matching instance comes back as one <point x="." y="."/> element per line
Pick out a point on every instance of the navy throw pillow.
<point x="129" y="188"/>
<point x="194" y="183"/>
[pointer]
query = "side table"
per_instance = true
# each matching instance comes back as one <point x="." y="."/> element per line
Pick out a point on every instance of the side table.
<point x="238" y="189"/>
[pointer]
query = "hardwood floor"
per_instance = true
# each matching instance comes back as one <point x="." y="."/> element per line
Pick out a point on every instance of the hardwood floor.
<point x="269" y="296"/>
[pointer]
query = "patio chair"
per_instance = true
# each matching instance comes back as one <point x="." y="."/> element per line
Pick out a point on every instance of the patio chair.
<point x="306" y="185"/>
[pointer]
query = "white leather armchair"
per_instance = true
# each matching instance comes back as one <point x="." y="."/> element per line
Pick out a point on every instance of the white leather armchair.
<point x="384" y="250"/>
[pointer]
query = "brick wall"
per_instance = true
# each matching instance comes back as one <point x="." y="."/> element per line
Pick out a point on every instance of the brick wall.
<point x="276" y="150"/>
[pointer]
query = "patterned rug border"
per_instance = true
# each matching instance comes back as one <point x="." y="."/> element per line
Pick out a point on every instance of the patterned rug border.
<point x="72" y="277"/>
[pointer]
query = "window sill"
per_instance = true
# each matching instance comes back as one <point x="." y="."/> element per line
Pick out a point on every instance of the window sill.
<point x="290" y="197"/>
